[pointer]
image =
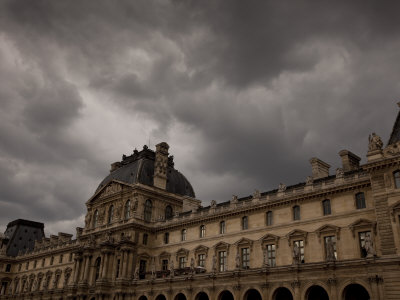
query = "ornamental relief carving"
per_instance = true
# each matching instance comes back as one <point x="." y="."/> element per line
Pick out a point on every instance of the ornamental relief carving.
<point x="111" y="189"/>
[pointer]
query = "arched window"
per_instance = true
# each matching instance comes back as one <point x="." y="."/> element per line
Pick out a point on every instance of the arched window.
<point x="127" y="209"/>
<point x="245" y="223"/>
<point x="110" y="214"/>
<point x="360" y="200"/>
<point x="96" y="218"/>
<point x="269" y="218"/>
<point x="326" y="205"/>
<point x="148" y="206"/>
<point x="222" y="227"/>
<point x="396" y="176"/>
<point x="296" y="212"/>
<point x="183" y="235"/>
<point x="168" y="212"/>
<point x="202" y="231"/>
<point x="97" y="266"/>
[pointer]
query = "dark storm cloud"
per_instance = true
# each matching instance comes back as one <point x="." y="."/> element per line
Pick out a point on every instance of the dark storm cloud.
<point x="260" y="86"/>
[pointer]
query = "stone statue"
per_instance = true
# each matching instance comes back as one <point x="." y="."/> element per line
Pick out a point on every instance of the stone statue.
<point x="309" y="180"/>
<point x="256" y="194"/>
<point x="109" y="237"/>
<point x="375" y="142"/>
<point x="330" y="251"/>
<point x="88" y="218"/>
<point x="339" y="173"/>
<point x="369" y="246"/>
<point x="136" y="273"/>
<point x="237" y="260"/>
<point x="234" y="199"/>
<point x="153" y="269"/>
<point x="214" y="263"/>
<point x="34" y="285"/>
<point x="213" y="203"/>
<point x="171" y="269"/>
<point x="192" y="265"/>
<point x="282" y="187"/>
<point x="296" y="254"/>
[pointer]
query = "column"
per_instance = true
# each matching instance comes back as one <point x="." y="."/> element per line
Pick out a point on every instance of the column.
<point x="105" y="266"/>
<point x="87" y="267"/>
<point x="125" y="263"/>
<point x="76" y="269"/>
<point x="130" y="265"/>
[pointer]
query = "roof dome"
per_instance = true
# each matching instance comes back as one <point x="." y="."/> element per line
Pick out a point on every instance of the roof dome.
<point x="139" y="168"/>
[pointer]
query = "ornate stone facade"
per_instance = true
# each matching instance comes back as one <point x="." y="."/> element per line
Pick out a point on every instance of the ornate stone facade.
<point x="332" y="237"/>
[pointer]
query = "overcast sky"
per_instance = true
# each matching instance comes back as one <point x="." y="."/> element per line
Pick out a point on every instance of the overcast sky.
<point x="244" y="92"/>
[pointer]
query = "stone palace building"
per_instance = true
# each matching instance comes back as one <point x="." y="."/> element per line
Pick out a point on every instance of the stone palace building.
<point x="147" y="237"/>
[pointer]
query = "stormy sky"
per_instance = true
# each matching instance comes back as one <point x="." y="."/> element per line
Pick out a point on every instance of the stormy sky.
<point x="244" y="92"/>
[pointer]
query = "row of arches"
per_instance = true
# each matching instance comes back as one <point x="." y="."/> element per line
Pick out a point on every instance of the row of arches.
<point x="315" y="292"/>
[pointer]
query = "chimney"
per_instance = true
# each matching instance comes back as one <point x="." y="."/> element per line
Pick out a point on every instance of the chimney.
<point x="160" y="166"/>
<point x="319" y="168"/>
<point x="350" y="161"/>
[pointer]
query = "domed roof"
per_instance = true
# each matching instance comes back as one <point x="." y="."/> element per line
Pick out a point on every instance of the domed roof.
<point x="139" y="168"/>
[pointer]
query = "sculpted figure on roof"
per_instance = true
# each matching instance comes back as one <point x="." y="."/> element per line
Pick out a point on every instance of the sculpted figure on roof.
<point x="375" y="142"/>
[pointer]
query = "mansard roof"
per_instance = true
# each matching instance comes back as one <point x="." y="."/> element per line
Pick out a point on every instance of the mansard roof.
<point x="395" y="135"/>
<point x="139" y="168"/>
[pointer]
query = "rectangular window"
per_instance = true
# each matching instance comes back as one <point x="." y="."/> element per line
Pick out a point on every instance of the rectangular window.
<point x="202" y="260"/>
<point x="183" y="235"/>
<point x="222" y="261"/>
<point x="182" y="262"/>
<point x="27" y="266"/>
<point x="296" y="212"/>
<point x="142" y="269"/>
<point x="145" y="237"/>
<point x="362" y="236"/>
<point x="8" y="268"/>
<point x="269" y="218"/>
<point x="51" y="260"/>
<point x="360" y="201"/>
<point x="35" y="264"/>
<point x="164" y="265"/>
<point x="300" y="244"/>
<point x="245" y="258"/>
<point x="166" y="238"/>
<point x="19" y="267"/>
<point x="396" y="176"/>
<point x="271" y="255"/>
<point x="61" y="259"/>
<point x="328" y="240"/>
<point x="202" y="231"/>
<point x="222" y="227"/>
<point x="245" y="223"/>
<point x="70" y="257"/>
<point x="326" y="204"/>
<point x="43" y="262"/>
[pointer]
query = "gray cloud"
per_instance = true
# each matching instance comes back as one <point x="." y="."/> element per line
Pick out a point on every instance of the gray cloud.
<point x="245" y="93"/>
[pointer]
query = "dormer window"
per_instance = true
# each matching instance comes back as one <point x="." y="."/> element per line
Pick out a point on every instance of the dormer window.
<point x="127" y="209"/>
<point x="168" y="212"/>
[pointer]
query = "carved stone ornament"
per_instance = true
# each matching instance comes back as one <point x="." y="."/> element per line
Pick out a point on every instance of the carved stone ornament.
<point x="111" y="189"/>
<point x="282" y="187"/>
<point x="374" y="142"/>
<point x="256" y="194"/>
<point x="309" y="180"/>
<point x="213" y="203"/>
<point x="234" y="199"/>
<point x="339" y="173"/>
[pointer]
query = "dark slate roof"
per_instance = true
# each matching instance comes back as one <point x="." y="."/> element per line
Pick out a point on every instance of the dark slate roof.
<point x="395" y="135"/>
<point x="139" y="168"/>
<point x="21" y="235"/>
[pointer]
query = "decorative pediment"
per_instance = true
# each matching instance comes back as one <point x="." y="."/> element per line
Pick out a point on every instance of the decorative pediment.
<point x="244" y="242"/>
<point x="328" y="229"/>
<point x="362" y="224"/>
<point x="269" y="238"/>
<point x="201" y="249"/>
<point x="221" y="246"/>
<point x="182" y="252"/>
<point x="113" y="187"/>
<point x="395" y="210"/>
<point x="297" y="234"/>
<point x="164" y="255"/>
<point x="143" y="255"/>
<point x="68" y="270"/>
<point x="58" y="272"/>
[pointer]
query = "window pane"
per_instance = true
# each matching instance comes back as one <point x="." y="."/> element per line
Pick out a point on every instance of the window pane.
<point x="360" y="200"/>
<point x="222" y="227"/>
<point x="300" y="244"/>
<point x="222" y="261"/>
<point x="296" y="212"/>
<point x="183" y="237"/>
<point x="269" y="218"/>
<point x="202" y="260"/>
<point x="148" y="206"/>
<point x="202" y="231"/>
<point x="271" y="255"/>
<point x="168" y="212"/>
<point x="327" y="207"/>
<point x="245" y="223"/>
<point x="397" y="179"/>
<point x="330" y="248"/>
<point x="245" y="258"/>
<point x="165" y="264"/>
<point x="362" y="236"/>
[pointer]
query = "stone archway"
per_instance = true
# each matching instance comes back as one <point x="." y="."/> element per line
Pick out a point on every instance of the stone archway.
<point x="180" y="296"/>
<point x="282" y="293"/>
<point x="316" y="292"/>
<point x="161" y="297"/>
<point x="252" y="294"/>
<point x="355" y="292"/>
<point x="143" y="298"/>
<point x="202" y="296"/>
<point x="225" y="295"/>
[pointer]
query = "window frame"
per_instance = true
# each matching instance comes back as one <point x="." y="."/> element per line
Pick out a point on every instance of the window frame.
<point x="202" y="231"/>
<point x="147" y="210"/>
<point x="361" y="203"/>
<point x="127" y="214"/>
<point x="296" y="213"/>
<point x="325" y="239"/>
<point x="201" y="260"/>
<point x="96" y="218"/>
<point x="222" y="227"/>
<point x="269" y="218"/>
<point x="271" y="254"/>
<point x="166" y="238"/>
<point x="245" y="222"/>
<point x="145" y="239"/>
<point x="326" y="207"/>
<point x="396" y="179"/>
<point x="361" y="242"/>
<point x="168" y="212"/>
<point x="245" y="257"/>
<point x="222" y="260"/>
<point x="110" y="214"/>
<point x="183" y="235"/>
<point x="301" y="246"/>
